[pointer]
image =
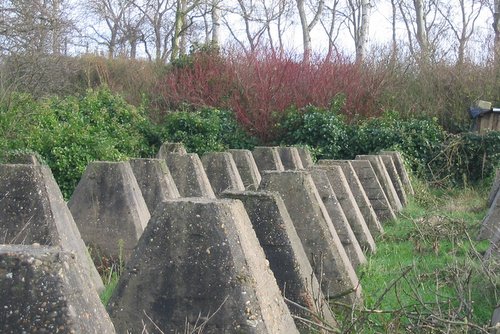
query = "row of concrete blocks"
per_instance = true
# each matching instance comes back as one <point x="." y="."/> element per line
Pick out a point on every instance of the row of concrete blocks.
<point x="208" y="246"/>
<point x="490" y="230"/>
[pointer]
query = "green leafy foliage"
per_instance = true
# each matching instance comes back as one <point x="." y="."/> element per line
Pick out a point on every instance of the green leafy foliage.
<point x="71" y="132"/>
<point x="205" y="130"/>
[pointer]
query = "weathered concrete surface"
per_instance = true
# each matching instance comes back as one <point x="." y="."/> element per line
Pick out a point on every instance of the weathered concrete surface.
<point x="222" y="172"/>
<point x="490" y="225"/>
<point x="290" y="158"/>
<point x="338" y="217"/>
<point x="247" y="168"/>
<point x="167" y="148"/>
<point x="316" y="231"/>
<point x="109" y="209"/>
<point x="32" y="210"/>
<point x="189" y="175"/>
<point x="495" y="321"/>
<point x="336" y="194"/>
<point x="305" y="157"/>
<point x="154" y="180"/>
<point x="199" y="263"/>
<point x="359" y="194"/>
<point x="384" y="179"/>
<point x="495" y="187"/>
<point x="373" y="189"/>
<point x="25" y="159"/>
<point x="400" y="167"/>
<point x="267" y="158"/>
<point x="288" y="261"/>
<point x="43" y="290"/>
<point x="396" y="181"/>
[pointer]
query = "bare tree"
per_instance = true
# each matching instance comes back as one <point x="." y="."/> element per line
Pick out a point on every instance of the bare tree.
<point x="495" y="9"/>
<point x="463" y="24"/>
<point x="357" y="19"/>
<point x="331" y="25"/>
<point x="182" y="22"/>
<point x="308" y="26"/>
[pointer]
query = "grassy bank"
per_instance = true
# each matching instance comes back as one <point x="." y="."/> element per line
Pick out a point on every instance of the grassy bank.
<point x="427" y="275"/>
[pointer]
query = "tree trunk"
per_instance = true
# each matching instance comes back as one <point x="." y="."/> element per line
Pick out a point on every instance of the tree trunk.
<point x="363" y="31"/>
<point x="421" y="29"/>
<point x="307" y="27"/>
<point x="496" y="29"/>
<point x="215" y="23"/>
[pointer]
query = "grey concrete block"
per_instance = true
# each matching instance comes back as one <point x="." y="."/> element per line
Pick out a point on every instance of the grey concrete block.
<point x="316" y="231"/>
<point x="290" y="158"/>
<point x="222" y="172"/>
<point x="109" y="209"/>
<point x="288" y="261"/>
<point x="490" y="226"/>
<point x="373" y="189"/>
<point x="247" y="168"/>
<point x="305" y="157"/>
<point x="494" y="188"/>
<point x="333" y="188"/>
<point x="384" y="179"/>
<point x="267" y="158"/>
<point x="33" y="211"/>
<point x="396" y="181"/>
<point x="154" y="180"/>
<point x="197" y="264"/>
<point x="495" y="321"/>
<point x="401" y="169"/>
<point x="22" y="158"/>
<point x="167" y="148"/>
<point x="359" y="194"/>
<point x="43" y="290"/>
<point x="189" y="175"/>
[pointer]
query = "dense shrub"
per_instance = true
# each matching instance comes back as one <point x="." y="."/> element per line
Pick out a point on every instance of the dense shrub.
<point x="69" y="133"/>
<point x="205" y="130"/>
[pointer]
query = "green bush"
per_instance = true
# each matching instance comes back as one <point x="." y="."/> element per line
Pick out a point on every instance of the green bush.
<point x="71" y="132"/>
<point x="324" y="130"/>
<point x="205" y="130"/>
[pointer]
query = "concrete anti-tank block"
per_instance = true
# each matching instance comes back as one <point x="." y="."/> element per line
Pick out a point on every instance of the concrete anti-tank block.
<point x="344" y="212"/>
<point x="359" y="194"/>
<point x="490" y="226"/>
<point x="32" y="210"/>
<point x="305" y="157"/>
<point x="154" y="180"/>
<point x="495" y="321"/>
<point x="222" y="172"/>
<point x="167" y="148"/>
<point x="189" y="175"/>
<point x="288" y="260"/>
<point x="43" y="290"/>
<point x="267" y="158"/>
<point x="247" y="168"/>
<point x="109" y="209"/>
<point x="373" y="189"/>
<point x="316" y="231"/>
<point x="495" y="188"/>
<point x="401" y="169"/>
<point x="384" y="179"/>
<point x="396" y="181"/>
<point x="199" y="265"/>
<point x="290" y="158"/>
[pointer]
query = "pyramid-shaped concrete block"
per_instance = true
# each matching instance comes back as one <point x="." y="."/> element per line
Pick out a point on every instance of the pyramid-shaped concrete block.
<point x="495" y="321"/>
<point x="167" y="148"/>
<point x="44" y="290"/>
<point x="247" y="168"/>
<point x="359" y="194"/>
<point x="197" y="264"/>
<point x="333" y="188"/>
<point x="316" y="231"/>
<point x="154" y="180"/>
<point x="267" y="158"/>
<point x="189" y="175"/>
<point x="33" y="211"/>
<point x="109" y="209"/>
<point x="495" y="188"/>
<point x="396" y="181"/>
<point x="490" y="226"/>
<point x="401" y="169"/>
<point x="384" y="179"/>
<point x="222" y="172"/>
<point x="373" y="189"/>
<point x="288" y="260"/>
<point x="290" y="158"/>
<point x="21" y="158"/>
<point x="305" y="157"/>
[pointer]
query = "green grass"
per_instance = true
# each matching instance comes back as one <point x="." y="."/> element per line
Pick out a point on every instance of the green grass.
<point x="427" y="275"/>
